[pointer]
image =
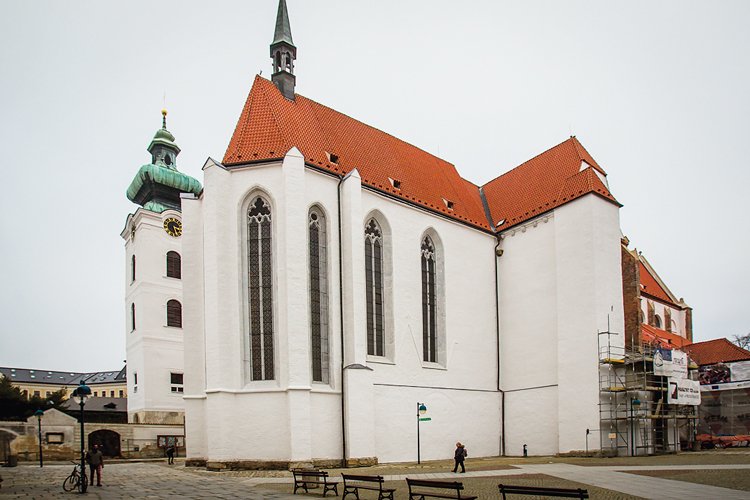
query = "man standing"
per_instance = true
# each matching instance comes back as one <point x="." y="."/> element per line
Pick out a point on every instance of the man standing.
<point x="170" y="454"/>
<point x="96" y="464"/>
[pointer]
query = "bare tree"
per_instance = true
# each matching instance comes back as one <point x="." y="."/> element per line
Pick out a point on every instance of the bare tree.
<point x="742" y="340"/>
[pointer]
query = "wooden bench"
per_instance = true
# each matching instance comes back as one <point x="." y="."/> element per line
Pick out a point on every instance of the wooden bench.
<point x="435" y="489"/>
<point x="311" y="478"/>
<point x="353" y="483"/>
<point x="507" y="489"/>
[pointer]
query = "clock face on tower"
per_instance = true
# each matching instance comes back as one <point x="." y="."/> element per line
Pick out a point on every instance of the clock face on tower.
<point x="173" y="226"/>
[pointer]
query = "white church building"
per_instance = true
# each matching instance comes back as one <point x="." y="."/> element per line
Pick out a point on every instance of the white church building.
<point x="327" y="278"/>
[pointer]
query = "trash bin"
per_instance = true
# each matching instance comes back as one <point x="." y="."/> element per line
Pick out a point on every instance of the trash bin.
<point x="12" y="461"/>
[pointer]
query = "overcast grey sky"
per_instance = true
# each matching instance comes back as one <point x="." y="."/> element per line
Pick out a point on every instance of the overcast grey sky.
<point x="658" y="92"/>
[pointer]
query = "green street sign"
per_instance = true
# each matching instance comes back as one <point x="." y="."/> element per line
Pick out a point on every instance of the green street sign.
<point x="425" y="419"/>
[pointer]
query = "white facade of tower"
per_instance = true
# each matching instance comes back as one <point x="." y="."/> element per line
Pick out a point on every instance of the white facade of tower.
<point x="154" y="350"/>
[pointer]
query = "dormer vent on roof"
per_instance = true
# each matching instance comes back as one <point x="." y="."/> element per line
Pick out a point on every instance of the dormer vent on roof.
<point x="395" y="183"/>
<point x="448" y="204"/>
<point x="332" y="157"/>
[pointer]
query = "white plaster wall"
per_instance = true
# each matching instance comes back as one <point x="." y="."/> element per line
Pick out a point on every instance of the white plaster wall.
<point x="194" y="334"/>
<point x="461" y="389"/>
<point x="278" y="412"/>
<point x="589" y="288"/>
<point x="469" y="416"/>
<point x="528" y="329"/>
<point x="153" y="349"/>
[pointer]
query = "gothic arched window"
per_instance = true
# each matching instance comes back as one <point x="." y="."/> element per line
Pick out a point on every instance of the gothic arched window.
<point x="174" y="265"/>
<point x="132" y="268"/>
<point x="657" y="321"/>
<point x="318" y="261"/>
<point x="132" y="317"/>
<point x="374" y="288"/>
<point x="429" y="303"/>
<point x="174" y="313"/>
<point x="259" y="289"/>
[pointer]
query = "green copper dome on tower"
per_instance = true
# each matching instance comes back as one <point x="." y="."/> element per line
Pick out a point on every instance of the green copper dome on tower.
<point x="157" y="186"/>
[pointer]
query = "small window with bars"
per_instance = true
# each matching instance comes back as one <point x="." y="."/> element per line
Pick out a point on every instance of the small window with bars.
<point x="176" y="382"/>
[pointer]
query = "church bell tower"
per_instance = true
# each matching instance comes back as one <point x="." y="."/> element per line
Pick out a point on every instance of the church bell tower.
<point x="153" y="285"/>
<point x="283" y="54"/>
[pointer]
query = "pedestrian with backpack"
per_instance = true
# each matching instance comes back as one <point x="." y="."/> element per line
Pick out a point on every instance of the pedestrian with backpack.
<point x="458" y="456"/>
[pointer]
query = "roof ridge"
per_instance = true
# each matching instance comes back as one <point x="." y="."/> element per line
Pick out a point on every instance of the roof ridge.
<point x="528" y="161"/>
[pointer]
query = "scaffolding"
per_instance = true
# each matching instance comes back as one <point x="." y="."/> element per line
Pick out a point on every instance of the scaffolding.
<point x="635" y="418"/>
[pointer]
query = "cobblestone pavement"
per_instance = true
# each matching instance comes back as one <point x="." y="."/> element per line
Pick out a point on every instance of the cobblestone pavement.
<point x="131" y="480"/>
<point x="614" y="481"/>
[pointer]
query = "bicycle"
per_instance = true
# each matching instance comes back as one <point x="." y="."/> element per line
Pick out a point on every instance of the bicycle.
<point x="76" y="480"/>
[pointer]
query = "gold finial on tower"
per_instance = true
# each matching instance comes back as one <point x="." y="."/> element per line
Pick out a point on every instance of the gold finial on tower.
<point x="164" y="118"/>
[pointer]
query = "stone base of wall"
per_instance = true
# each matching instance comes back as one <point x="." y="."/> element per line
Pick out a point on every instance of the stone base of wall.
<point x="157" y="417"/>
<point x="361" y="462"/>
<point x="320" y="463"/>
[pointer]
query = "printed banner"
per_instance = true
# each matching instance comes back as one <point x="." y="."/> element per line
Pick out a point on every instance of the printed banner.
<point x="683" y="391"/>
<point x="663" y="362"/>
<point x="679" y="364"/>
<point x="740" y="371"/>
<point x="726" y="386"/>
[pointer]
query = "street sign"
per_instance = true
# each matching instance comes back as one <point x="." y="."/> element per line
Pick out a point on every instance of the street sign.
<point x="425" y="419"/>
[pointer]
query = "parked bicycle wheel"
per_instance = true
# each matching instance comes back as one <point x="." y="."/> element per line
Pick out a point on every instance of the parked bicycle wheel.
<point x="71" y="482"/>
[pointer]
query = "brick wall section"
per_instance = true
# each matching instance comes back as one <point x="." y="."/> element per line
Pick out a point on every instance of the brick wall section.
<point x="631" y="296"/>
<point x="651" y="313"/>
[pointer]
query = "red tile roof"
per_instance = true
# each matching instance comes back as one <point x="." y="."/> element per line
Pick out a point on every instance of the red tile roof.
<point x="271" y="125"/>
<point x="555" y="177"/>
<point x="650" y="286"/>
<point x="717" y="351"/>
<point x="662" y="337"/>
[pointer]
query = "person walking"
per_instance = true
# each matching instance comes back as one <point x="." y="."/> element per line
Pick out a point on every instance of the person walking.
<point x="458" y="456"/>
<point x="170" y="454"/>
<point x="95" y="460"/>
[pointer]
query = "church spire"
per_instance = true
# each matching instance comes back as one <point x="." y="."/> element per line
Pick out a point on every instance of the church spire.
<point x="283" y="53"/>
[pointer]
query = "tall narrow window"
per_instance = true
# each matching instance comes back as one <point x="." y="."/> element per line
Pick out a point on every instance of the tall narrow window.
<point x="174" y="265"/>
<point x="174" y="313"/>
<point x="318" y="294"/>
<point x="374" y="288"/>
<point x="132" y="268"/>
<point x="259" y="293"/>
<point x="429" y="315"/>
<point x="132" y="317"/>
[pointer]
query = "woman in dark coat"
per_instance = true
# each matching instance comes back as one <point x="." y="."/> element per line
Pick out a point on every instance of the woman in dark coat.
<point x="459" y="456"/>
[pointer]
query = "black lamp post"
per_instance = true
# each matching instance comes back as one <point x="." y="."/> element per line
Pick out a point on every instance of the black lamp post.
<point x="635" y="403"/>
<point x="38" y="415"/>
<point x="80" y="395"/>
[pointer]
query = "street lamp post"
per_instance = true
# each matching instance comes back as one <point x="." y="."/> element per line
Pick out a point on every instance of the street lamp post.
<point x="38" y="415"/>
<point x="421" y="409"/>
<point x="635" y="403"/>
<point x="80" y="395"/>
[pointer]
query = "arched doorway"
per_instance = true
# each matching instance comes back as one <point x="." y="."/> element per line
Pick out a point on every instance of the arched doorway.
<point x="5" y="438"/>
<point x="108" y="441"/>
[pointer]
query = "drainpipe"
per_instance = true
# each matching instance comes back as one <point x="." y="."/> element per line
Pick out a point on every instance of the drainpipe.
<point x="341" y="322"/>
<point x="498" y="253"/>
